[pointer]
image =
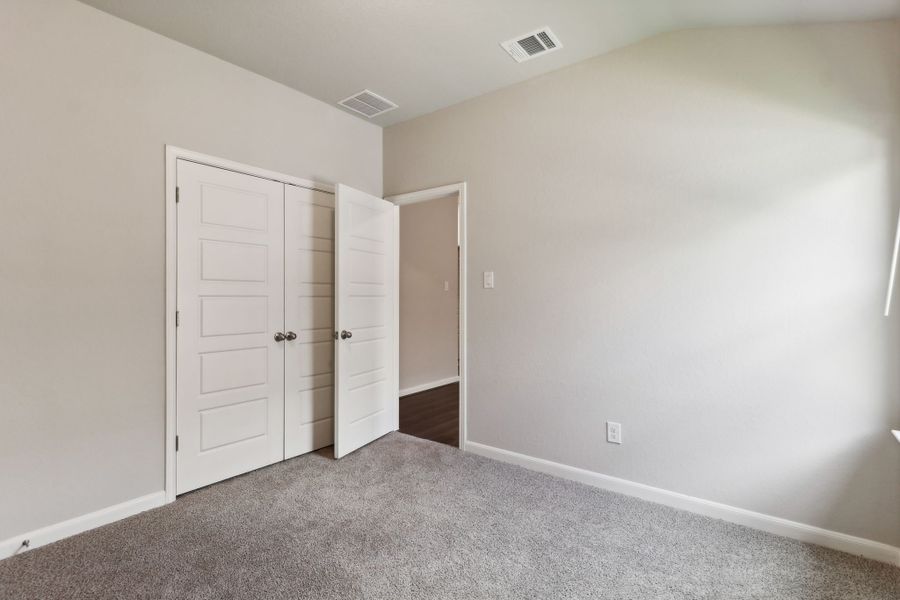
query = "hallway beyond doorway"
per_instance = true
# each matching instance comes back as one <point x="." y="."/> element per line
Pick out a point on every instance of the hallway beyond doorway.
<point x="432" y="414"/>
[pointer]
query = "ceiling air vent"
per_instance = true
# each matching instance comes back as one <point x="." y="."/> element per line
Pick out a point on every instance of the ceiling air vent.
<point x="528" y="46"/>
<point x="368" y="104"/>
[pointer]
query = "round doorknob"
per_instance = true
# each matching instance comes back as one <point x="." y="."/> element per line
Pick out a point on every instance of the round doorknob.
<point x="290" y="336"/>
<point x="279" y="337"/>
<point x="345" y="335"/>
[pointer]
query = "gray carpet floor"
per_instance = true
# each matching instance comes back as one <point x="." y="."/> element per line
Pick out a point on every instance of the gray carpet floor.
<point x="405" y="518"/>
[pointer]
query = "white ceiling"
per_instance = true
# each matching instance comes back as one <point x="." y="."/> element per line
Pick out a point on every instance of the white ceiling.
<point x="428" y="54"/>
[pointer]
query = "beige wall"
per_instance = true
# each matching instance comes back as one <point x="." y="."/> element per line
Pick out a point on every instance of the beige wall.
<point x="691" y="236"/>
<point x="428" y="314"/>
<point x="87" y="104"/>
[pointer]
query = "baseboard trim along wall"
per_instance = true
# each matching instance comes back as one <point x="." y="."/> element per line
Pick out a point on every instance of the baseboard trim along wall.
<point x="64" y="529"/>
<point x="776" y="525"/>
<point x="791" y="529"/>
<point x="428" y="386"/>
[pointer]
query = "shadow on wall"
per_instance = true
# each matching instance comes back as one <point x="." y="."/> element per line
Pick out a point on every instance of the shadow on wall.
<point x="765" y="234"/>
<point x="807" y="189"/>
<point x="866" y="101"/>
<point x="704" y="256"/>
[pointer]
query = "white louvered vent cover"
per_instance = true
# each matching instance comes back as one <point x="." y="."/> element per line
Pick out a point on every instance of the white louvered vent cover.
<point x="368" y="104"/>
<point x="531" y="45"/>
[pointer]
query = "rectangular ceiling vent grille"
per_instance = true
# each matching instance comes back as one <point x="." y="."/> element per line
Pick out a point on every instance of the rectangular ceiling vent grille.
<point x="531" y="45"/>
<point x="369" y="104"/>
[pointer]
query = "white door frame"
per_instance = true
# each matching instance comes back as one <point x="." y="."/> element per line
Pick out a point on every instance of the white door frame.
<point x="434" y="194"/>
<point x="173" y="154"/>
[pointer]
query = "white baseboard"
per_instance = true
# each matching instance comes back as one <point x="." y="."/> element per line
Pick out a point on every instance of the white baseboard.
<point x="428" y="386"/>
<point x="792" y="529"/>
<point x="58" y="531"/>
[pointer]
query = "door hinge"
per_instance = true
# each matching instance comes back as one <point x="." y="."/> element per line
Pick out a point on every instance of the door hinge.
<point x="177" y="318"/>
<point x="177" y="194"/>
<point x="176" y="443"/>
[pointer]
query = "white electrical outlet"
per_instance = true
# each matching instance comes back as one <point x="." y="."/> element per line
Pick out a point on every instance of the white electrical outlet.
<point x="613" y="432"/>
<point x="488" y="280"/>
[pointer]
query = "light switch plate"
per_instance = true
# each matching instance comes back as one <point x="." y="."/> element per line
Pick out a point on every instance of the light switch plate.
<point x="488" y="280"/>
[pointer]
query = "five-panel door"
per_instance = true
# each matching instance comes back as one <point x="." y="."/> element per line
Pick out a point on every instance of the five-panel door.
<point x="366" y="292"/>
<point x="256" y="353"/>
<point x="309" y="314"/>
<point x="230" y="368"/>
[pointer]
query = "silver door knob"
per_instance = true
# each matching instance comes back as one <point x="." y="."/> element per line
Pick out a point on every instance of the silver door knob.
<point x="345" y="335"/>
<point x="279" y="337"/>
<point x="290" y="336"/>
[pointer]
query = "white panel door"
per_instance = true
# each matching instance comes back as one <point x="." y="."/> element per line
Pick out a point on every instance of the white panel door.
<point x="366" y="305"/>
<point x="230" y="368"/>
<point x="309" y="320"/>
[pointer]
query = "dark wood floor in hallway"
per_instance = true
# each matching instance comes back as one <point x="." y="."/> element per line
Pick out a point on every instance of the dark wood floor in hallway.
<point x="432" y="414"/>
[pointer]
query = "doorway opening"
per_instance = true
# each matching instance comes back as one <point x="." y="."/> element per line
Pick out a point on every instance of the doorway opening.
<point x="432" y="314"/>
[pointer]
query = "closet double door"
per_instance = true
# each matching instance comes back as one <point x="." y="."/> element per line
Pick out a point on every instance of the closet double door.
<point x="256" y="335"/>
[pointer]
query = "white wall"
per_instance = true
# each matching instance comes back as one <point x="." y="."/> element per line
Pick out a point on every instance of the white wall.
<point x="691" y="236"/>
<point x="87" y="104"/>
<point x="429" y="321"/>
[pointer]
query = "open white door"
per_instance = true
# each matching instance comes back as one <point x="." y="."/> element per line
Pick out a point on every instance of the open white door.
<point x="308" y="320"/>
<point x="366" y="311"/>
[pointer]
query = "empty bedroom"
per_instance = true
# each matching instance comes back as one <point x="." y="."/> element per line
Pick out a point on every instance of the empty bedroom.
<point x="450" y="299"/>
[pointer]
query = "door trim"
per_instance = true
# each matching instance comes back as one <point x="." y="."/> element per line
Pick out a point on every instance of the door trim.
<point x="434" y="194"/>
<point x="174" y="154"/>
